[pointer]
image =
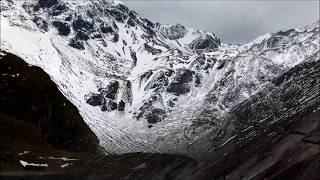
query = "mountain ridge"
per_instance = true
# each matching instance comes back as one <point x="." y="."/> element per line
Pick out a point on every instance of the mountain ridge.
<point x="135" y="81"/>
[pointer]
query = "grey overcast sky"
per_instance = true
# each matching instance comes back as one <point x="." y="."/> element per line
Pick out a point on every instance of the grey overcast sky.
<point x="233" y="21"/>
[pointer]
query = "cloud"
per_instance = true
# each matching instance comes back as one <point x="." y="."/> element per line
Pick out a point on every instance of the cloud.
<point x="232" y="21"/>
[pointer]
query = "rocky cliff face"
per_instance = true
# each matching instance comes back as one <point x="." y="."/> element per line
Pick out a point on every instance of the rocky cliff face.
<point x="28" y="96"/>
<point x="140" y="85"/>
<point x="36" y="117"/>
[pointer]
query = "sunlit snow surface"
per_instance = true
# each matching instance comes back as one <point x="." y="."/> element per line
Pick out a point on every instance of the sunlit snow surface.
<point x="81" y="72"/>
<point x="25" y="164"/>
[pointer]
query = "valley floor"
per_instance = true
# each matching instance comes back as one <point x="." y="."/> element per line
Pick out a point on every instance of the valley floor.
<point x="292" y="154"/>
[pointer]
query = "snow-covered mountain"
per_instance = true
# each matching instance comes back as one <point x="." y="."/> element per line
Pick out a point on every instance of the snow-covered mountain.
<point x="144" y="86"/>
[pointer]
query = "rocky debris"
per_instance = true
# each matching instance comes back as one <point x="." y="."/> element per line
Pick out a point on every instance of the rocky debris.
<point x="52" y="7"/>
<point x="127" y="92"/>
<point x="111" y="90"/>
<point x="155" y="115"/>
<point x="82" y="35"/>
<point x="171" y="102"/>
<point x="286" y="32"/>
<point x="151" y="111"/>
<point x="41" y="23"/>
<point x="132" y="14"/>
<point x="108" y="105"/>
<point x="107" y="96"/>
<point x="134" y="57"/>
<point x="115" y="38"/>
<point x="197" y="81"/>
<point x="145" y="76"/>
<point x="199" y="63"/>
<point x="119" y="16"/>
<point x="159" y="80"/>
<point x="221" y="64"/>
<point x="125" y="44"/>
<point x="181" y="82"/>
<point x="76" y="43"/>
<point x="47" y="3"/>
<point x="62" y="27"/>
<point x="95" y="99"/>
<point x="131" y="22"/>
<point x="273" y="42"/>
<point x="58" y="9"/>
<point x="81" y="24"/>
<point x="174" y="32"/>
<point x="121" y="105"/>
<point x="203" y="63"/>
<point x="105" y="28"/>
<point x="148" y="23"/>
<point x="152" y="50"/>
<point x="68" y="18"/>
<point x="210" y="62"/>
<point x="122" y="7"/>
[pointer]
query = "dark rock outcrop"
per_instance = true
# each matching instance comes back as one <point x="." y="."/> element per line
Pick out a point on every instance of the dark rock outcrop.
<point x="197" y="81"/>
<point x="111" y="90"/>
<point x="115" y="37"/>
<point x="95" y="100"/>
<point x="159" y="80"/>
<point x="127" y="95"/>
<point x="155" y="115"/>
<point x="41" y="23"/>
<point x="106" y="96"/>
<point x="119" y="16"/>
<point x="81" y="24"/>
<point x="134" y="58"/>
<point x="62" y="27"/>
<point x="145" y="76"/>
<point x="205" y="42"/>
<point x="221" y="64"/>
<point x="108" y="105"/>
<point x="121" y="105"/>
<point x="47" y="3"/>
<point x="286" y="32"/>
<point x="180" y="84"/>
<point x="76" y="43"/>
<point x="174" y="32"/>
<point x="82" y="35"/>
<point x="106" y="28"/>
<point x="152" y="50"/>
<point x="30" y="103"/>
<point x="150" y="111"/>
<point x="58" y="9"/>
<point x="131" y="22"/>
